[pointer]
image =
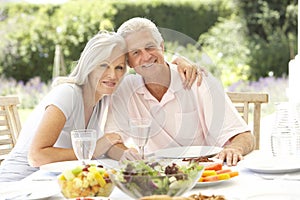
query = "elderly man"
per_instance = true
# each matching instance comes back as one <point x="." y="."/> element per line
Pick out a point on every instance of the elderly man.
<point x="201" y="116"/>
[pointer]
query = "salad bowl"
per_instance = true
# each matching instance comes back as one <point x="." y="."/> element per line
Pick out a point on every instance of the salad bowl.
<point x="144" y="178"/>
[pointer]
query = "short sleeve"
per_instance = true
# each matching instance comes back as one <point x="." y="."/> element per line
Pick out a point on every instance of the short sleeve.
<point x="65" y="97"/>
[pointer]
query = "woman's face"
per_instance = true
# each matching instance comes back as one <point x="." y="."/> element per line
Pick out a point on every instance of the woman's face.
<point x="108" y="74"/>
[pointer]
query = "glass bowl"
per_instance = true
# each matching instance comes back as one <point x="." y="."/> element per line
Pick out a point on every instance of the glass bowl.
<point x="89" y="180"/>
<point x="142" y="178"/>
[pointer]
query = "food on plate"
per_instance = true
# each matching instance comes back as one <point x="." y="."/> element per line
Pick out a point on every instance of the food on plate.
<point x="215" y="172"/>
<point x="198" y="159"/>
<point x="89" y="180"/>
<point x="206" y="197"/>
<point x="144" y="178"/>
<point x="214" y="166"/>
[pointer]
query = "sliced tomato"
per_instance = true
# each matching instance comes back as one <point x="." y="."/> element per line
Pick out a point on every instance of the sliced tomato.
<point x="215" y="166"/>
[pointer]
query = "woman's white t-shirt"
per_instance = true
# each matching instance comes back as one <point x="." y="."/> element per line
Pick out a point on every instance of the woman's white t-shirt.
<point x="68" y="98"/>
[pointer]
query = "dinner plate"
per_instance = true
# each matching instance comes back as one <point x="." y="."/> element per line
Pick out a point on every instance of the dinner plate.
<point x="35" y="190"/>
<point x="58" y="167"/>
<point x="271" y="165"/>
<point x="211" y="183"/>
<point x="188" y="152"/>
<point x="108" y="163"/>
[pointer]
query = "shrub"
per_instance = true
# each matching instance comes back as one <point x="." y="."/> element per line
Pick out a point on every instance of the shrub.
<point x="30" y="93"/>
<point x="275" y="87"/>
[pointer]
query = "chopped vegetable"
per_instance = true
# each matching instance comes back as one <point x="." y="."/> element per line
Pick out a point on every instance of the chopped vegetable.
<point x="215" y="172"/>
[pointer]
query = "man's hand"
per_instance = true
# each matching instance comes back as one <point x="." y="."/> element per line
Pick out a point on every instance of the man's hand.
<point x="239" y="146"/>
<point x="106" y="142"/>
<point x="130" y="154"/>
<point x="188" y="71"/>
<point x="230" y="155"/>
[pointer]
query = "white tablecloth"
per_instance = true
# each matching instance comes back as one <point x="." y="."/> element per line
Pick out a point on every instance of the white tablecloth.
<point x="242" y="187"/>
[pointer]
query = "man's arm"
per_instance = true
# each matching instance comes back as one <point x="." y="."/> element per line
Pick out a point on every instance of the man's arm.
<point x="121" y="152"/>
<point x="244" y="141"/>
<point x="239" y="146"/>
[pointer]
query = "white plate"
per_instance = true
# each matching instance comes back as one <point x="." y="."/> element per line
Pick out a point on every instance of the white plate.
<point x="108" y="163"/>
<point x="58" y="167"/>
<point x="271" y="165"/>
<point x="188" y="152"/>
<point x="211" y="183"/>
<point x="38" y="190"/>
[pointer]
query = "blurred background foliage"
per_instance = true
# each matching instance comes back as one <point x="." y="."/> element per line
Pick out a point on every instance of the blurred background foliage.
<point x="247" y="44"/>
<point x="245" y="40"/>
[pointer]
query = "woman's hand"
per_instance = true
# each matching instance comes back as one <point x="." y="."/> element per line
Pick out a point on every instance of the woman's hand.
<point x="106" y="142"/>
<point x="188" y="71"/>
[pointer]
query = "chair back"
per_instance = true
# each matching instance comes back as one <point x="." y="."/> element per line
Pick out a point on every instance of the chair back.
<point x="10" y="124"/>
<point x="243" y="101"/>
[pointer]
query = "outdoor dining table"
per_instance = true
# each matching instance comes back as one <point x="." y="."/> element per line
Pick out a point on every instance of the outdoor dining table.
<point x="248" y="185"/>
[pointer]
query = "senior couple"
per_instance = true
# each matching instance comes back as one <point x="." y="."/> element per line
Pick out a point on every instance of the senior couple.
<point x="183" y="113"/>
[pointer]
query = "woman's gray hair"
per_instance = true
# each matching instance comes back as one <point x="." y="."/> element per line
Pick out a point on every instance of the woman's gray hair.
<point x="137" y="24"/>
<point x="98" y="49"/>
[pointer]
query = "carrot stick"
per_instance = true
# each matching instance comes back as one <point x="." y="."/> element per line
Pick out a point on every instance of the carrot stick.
<point x="233" y="174"/>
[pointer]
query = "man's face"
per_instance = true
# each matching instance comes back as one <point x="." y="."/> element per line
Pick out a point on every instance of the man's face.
<point x="144" y="54"/>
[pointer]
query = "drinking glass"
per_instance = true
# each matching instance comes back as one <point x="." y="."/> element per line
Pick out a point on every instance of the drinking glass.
<point x="140" y="128"/>
<point x="84" y="143"/>
<point x="285" y="136"/>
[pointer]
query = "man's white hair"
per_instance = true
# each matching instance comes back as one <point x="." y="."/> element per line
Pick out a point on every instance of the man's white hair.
<point x="140" y="24"/>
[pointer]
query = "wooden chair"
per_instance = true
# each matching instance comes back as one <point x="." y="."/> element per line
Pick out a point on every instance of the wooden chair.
<point x="242" y="102"/>
<point x="10" y="124"/>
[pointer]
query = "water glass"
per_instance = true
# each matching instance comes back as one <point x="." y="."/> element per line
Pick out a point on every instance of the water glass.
<point x="285" y="136"/>
<point x="84" y="143"/>
<point x="140" y="129"/>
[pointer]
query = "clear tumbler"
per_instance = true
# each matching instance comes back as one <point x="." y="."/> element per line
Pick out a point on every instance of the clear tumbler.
<point x="285" y="136"/>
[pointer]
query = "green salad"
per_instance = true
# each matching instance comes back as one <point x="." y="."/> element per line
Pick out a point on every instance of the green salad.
<point x="141" y="178"/>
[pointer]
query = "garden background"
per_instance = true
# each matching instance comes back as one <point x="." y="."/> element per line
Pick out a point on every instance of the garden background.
<point x="246" y="44"/>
